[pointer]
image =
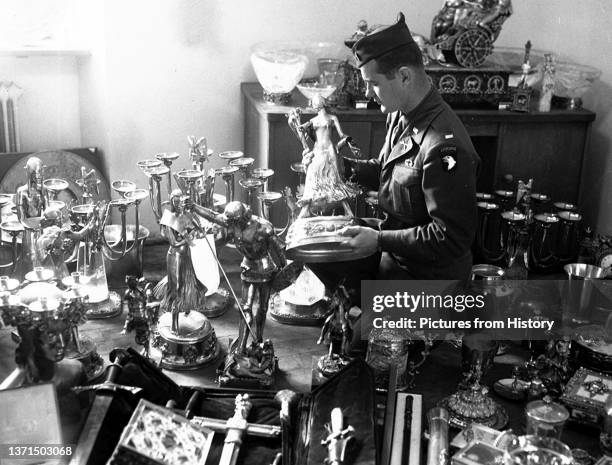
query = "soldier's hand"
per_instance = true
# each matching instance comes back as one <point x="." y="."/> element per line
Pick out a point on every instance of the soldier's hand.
<point x="360" y="239"/>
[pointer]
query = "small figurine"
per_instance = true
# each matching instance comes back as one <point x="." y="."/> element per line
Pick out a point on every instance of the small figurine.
<point x="142" y="312"/>
<point x="198" y="151"/>
<point x="338" y="330"/>
<point x="339" y="438"/>
<point x="89" y="183"/>
<point x="30" y="198"/>
<point x="522" y="93"/>
<point x="548" y="83"/>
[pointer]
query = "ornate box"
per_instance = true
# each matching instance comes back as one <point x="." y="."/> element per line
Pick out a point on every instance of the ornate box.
<point x="585" y="396"/>
<point x="157" y="436"/>
<point x="300" y="437"/>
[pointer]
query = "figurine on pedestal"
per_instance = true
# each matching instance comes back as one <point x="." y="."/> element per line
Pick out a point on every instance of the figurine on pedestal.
<point x="263" y="257"/>
<point x="186" y="342"/>
<point x="142" y="313"/>
<point x="324" y="188"/>
<point x="30" y="202"/>
<point x="89" y="183"/>
<point x="521" y="100"/>
<point x="338" y="331"/>
<point x="184" y="292"/>
<point x="30" y="199"/>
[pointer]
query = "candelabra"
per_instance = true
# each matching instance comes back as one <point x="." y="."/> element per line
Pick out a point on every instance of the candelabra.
<point x="187" y="340"/>
<point x="47" y="320"/>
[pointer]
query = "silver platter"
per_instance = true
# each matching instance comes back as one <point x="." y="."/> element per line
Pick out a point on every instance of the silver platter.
<point x="317" y="240"/>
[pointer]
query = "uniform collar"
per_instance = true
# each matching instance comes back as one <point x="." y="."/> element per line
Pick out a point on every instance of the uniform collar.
<point x="421" y="116"/>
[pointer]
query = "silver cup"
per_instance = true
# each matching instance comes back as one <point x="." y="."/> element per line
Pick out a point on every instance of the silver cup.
<point x="579" y="292"/>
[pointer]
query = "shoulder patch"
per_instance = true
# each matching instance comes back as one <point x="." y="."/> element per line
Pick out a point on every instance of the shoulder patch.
<point x="448" y="156"/>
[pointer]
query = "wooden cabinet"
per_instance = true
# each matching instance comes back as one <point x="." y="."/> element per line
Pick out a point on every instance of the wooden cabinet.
<point x="548" y="147"/>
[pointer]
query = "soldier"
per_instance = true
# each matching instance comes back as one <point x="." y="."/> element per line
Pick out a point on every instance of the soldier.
<point x="425" y="173"/>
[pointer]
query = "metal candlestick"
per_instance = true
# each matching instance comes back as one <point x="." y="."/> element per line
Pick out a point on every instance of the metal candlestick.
<point x="227" y="174"/>
<point x="252" y="186"/>
<point x="167" y="159"/>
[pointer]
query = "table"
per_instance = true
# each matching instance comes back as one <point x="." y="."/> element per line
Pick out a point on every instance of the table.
<point x="296" y="348"/>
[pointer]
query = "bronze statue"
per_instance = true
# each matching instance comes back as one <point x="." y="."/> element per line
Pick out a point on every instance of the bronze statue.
<point x="142" y="312"/>
<point x="324" y="187"/>
<point x="263" y="257"/>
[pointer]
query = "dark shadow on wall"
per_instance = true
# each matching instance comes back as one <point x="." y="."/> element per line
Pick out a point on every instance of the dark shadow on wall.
<point x="596" y="192"/>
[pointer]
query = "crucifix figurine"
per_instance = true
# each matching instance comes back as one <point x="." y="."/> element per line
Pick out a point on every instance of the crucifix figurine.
<point x="338" y="439"/>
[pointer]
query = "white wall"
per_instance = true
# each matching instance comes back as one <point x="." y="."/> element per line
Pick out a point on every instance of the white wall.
<point x="48" y="110"/>
<point x="163" y="69"/>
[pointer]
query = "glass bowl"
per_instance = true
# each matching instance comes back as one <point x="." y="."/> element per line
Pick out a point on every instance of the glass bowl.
<point x="315" y="89"/>
<point x="279" y="66"/>
<point x="537" y="450"/>
<point x="573" y="80"/>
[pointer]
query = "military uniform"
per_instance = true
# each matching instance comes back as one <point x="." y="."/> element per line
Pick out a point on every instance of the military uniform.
<point x="426" y="172"/>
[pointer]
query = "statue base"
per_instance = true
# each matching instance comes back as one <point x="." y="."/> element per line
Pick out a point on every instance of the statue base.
<point x="194" y="346"/>
<point x="472" y="405"/>
<point x="299" y="315"/>
<point x="217" y="303"/>
<point x="93" y="364"/>
<point x="330" y="364"/>
<point x="253" y="369"/>
<point x="109" y="308"/>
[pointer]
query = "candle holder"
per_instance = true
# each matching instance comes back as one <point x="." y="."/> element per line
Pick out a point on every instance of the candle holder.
<point x="54" y="186"/>
<point x="264" y="174"/>
<point x="227" y="174"/>
<point x="252" y="186"/>
<point x="14" y="229"/>
<point x="167" y="159"/>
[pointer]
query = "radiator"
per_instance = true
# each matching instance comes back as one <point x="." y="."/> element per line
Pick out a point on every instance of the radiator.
<point x="9" y="127"/>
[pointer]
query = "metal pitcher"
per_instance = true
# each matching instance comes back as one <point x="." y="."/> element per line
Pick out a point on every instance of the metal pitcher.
<point x="542" y="244"/>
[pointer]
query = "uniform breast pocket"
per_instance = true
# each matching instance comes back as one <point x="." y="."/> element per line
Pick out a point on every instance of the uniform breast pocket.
<point x="406" y="190"/>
